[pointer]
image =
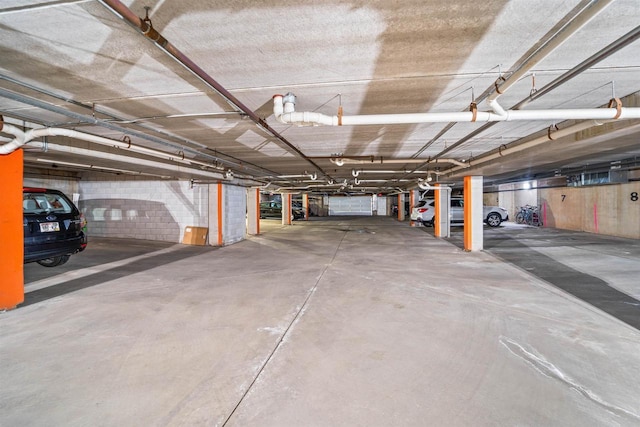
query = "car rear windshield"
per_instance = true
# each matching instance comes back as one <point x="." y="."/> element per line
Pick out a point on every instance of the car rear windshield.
<point x="38" y="203"/>
<point x="421" y="203"/>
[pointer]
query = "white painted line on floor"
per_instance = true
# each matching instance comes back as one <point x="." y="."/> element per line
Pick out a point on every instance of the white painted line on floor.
<point x="84" y="272"/>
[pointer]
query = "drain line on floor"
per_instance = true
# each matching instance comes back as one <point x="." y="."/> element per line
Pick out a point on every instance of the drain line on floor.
<point x="281" y="340"/>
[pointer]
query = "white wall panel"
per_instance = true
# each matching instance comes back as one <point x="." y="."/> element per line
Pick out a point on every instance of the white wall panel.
<point x="350" y="205"/>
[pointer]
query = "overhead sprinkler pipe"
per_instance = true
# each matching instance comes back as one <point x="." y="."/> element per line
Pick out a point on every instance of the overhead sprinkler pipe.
<point x="285" y="114"/>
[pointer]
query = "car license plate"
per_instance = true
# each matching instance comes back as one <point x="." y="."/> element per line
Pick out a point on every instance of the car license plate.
<point x="49" y="226"/>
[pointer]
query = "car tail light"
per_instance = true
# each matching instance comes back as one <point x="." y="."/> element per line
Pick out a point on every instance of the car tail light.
<point x="423" y="210"/>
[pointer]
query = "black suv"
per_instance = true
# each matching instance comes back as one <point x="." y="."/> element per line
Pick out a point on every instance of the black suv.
<point x="54" y="228"/>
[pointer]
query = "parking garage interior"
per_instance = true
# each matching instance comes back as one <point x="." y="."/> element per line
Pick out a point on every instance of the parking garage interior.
<point x="173" y="125"/>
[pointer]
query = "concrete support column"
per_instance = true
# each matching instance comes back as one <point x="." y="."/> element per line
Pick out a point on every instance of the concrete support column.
<point x="286" y="209"/>
<point x="11" y="231"/>
<point x="441" y="220"/>
<point x="401" y="207"/>
<point x="227" y="214"/>
<point x="253" y="211"/>
<point x="414" y="196"/>
<point x="305" y="206"/>
<point x="473" y="218"/>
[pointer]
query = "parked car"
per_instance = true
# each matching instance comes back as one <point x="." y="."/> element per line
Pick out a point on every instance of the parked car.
<point x="424" y="212"/>
<point x="273" y="209"/>
<point x="54" y="228"/>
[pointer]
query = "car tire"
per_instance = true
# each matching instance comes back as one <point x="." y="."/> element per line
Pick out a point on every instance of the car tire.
<point x="494" y="219"/>
<point x="54" y="261"/>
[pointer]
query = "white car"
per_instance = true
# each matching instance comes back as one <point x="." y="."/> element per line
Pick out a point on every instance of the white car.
<point x="425" y="210"/>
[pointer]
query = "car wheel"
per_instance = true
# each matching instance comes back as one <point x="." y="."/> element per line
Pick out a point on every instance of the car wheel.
<point x="494" y="219"/>
<point x="54" y="261"/>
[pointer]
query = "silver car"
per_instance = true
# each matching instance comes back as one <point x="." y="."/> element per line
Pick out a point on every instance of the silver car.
<point x="424" y="211"/>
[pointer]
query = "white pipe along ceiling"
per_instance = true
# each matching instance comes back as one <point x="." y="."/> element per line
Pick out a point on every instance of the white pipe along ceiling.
<point x="22" y="138"/>
<point x="284" y="111"/>
<point x="428" y="94"/>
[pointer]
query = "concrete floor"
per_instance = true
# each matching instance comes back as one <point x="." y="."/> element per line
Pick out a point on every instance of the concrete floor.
<point x="342" y="322"/>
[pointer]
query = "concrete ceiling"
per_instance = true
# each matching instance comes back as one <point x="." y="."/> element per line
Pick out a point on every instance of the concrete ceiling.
<point x="78" y="65"/>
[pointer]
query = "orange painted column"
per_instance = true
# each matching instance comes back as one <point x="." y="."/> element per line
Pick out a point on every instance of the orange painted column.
<point x="401" y="214"/>
<point x="286" y="208"/>
<point x="412" y="202"/>
<point x="257" y="211"/>
<point x="220" y="223"/>
<point x="436" y="219"/>
<point x="467" y="213"/>
<point x="11" y="231"/>
<point x="473" y="221"/>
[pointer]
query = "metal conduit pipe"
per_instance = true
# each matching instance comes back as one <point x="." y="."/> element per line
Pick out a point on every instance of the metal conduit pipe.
<point x="22" y="138"/>
<point x="341" y="161"/>
<point x="580" y="20"/>
<point x="358" y="181"/>
<point x="532" y="143"/>
<point x="357" y="172"/>
<point x="602" y="54"/>
<point x="44" y="146"/>
<point x="92" y="120"/>
<point x="286" y="114"/>
<point x="311" y="176"/>
<point x="526" y="66"/>
<point x="123" y="12"/>
<point x="520" y="70"/>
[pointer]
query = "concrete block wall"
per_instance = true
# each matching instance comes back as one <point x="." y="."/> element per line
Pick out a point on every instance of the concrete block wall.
<point x="235" y="219"/>
<point x="68" y="186"/>
<point x="141" y="208"/>
<point x="512" y="197"/>
<point x="612" y="210"/>
<point x="318" y="205"/>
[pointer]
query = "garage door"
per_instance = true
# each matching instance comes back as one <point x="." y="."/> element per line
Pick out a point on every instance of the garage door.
<point x="354" y="205"/>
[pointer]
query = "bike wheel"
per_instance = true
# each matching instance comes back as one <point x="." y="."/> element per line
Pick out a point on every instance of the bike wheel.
<point x="520" y="218"/>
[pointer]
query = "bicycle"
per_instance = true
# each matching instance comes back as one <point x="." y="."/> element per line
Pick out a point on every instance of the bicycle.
<point x="529" y="215"/>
